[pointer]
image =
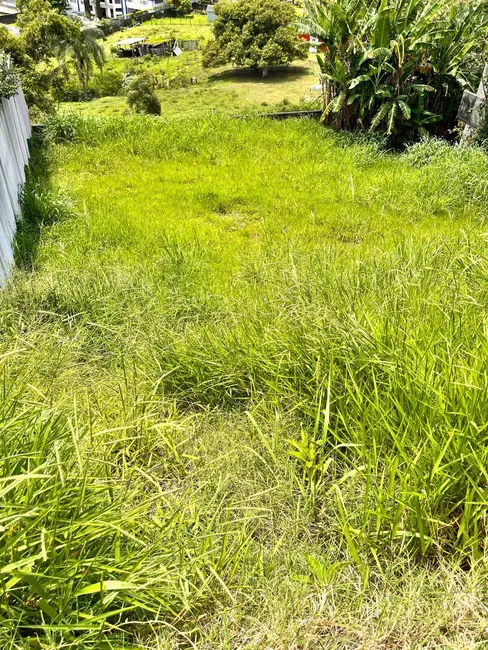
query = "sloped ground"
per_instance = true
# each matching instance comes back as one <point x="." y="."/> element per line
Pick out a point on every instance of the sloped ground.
<point x="244" y="392"/>
<point x="226" y="90"/>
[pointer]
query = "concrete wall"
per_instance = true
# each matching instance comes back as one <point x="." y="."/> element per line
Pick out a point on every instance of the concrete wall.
<point x="14" y="155"/>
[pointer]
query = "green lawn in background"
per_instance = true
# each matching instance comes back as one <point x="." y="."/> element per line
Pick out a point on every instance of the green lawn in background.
<point x="226" y="90"/>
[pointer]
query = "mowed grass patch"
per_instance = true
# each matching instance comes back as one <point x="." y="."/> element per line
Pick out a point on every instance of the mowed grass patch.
<point x="225" y="90"/>
<point x="244" y="391"/>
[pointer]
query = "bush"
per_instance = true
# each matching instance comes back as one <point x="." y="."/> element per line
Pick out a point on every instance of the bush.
<point x="107" y="83"/>
<point x="140" y="91"/>
<point x="181" y="7"/>
<point x="108" y="26"/>
<point x="67" y="90"/>
<point x="9" y="81"/>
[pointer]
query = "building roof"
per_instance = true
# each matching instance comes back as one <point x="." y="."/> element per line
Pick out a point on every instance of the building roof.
<point x="8" y="9"/>
<point x="130" y="41"/>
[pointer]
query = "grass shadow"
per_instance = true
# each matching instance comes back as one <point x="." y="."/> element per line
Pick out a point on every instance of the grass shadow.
<point x="41" y="206"/>
<point x="276" y="75"/>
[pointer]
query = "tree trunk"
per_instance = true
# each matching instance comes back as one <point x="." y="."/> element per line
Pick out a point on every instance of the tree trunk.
<point x="98" y="10"/>
<point x="86" y="4"/>
<point x="265" y="72"/>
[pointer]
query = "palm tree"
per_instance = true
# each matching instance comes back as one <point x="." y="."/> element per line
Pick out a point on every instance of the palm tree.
<point x="86" y="52"/>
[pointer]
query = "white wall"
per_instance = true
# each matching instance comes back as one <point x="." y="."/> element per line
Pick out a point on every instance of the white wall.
<point x="14" y="155"/>
<point x="118" y="8"/>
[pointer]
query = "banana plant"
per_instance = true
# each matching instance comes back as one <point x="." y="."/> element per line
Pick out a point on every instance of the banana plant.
<point x="395" y="65"/>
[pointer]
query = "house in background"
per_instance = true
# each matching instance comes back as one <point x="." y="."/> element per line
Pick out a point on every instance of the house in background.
<point x="8" y="12"/>
<point x="117" y="8"/>
<point x="110" y="8"/>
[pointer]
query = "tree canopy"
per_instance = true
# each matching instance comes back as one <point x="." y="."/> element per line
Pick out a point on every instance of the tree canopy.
<point x="140" y="91"/>
<point x="181" y="7"/>
<point x="49" y="45"/>
<point x="254" y="33"/>
<point x="45" y="32"/>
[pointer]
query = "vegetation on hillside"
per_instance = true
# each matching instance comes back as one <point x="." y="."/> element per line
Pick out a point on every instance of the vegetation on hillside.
<point x="9" y="80"/>
<point x="244" y="413"/>
<point x="50" y="45"/>
<point x="396" y="66"/>
<point x="141" y="96"/>
<point x="225" y="90"/>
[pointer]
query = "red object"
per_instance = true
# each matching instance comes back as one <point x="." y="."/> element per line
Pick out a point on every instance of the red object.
<point x="323" y="47"/>
<point x="305" y="37"/>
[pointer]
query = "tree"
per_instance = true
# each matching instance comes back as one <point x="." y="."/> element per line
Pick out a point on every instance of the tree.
<point x="254" y="33"/>
<point x="181" y="7"/>
<point x="48" y="46"/>
<point x="141" y="96"/>
<point x="13" y="46"/>
<point x="85" y="53"/>
<point x="61" y="5"/>
<point x="45" y="33"/>
<point x="36" y="77"/>
<point x="98" y="10"/>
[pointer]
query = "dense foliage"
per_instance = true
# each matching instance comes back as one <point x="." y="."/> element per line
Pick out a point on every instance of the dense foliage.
<point x="107" y="83"/>
<point x="9" y="81"/>
<point x="140" y="90"/>
<point x="50" y="47"/>
<point x="85" y="53"/>
<point x="181" y="7"/>
<point x="395" y="65"/>
<point x="254" y="33"/>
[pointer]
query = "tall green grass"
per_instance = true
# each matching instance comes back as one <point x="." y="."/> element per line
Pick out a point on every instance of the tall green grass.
<point x="243" y="391"/>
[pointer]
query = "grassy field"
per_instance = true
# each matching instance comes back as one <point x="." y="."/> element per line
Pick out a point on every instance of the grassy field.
<point x="243" y="367"/>
<point x="225" y="90"/>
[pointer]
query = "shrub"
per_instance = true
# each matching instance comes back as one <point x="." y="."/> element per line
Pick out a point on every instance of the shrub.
<point x="107" y="83"/>
<point x="181" y="7"/>
<point x="67" y="90"/>
<point x="109" y="26"/>
<point x="140" y="91"/>
<point x="9" y="81"/>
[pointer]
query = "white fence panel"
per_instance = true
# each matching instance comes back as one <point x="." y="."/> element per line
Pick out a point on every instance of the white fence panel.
<point x="15" y="130"/>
